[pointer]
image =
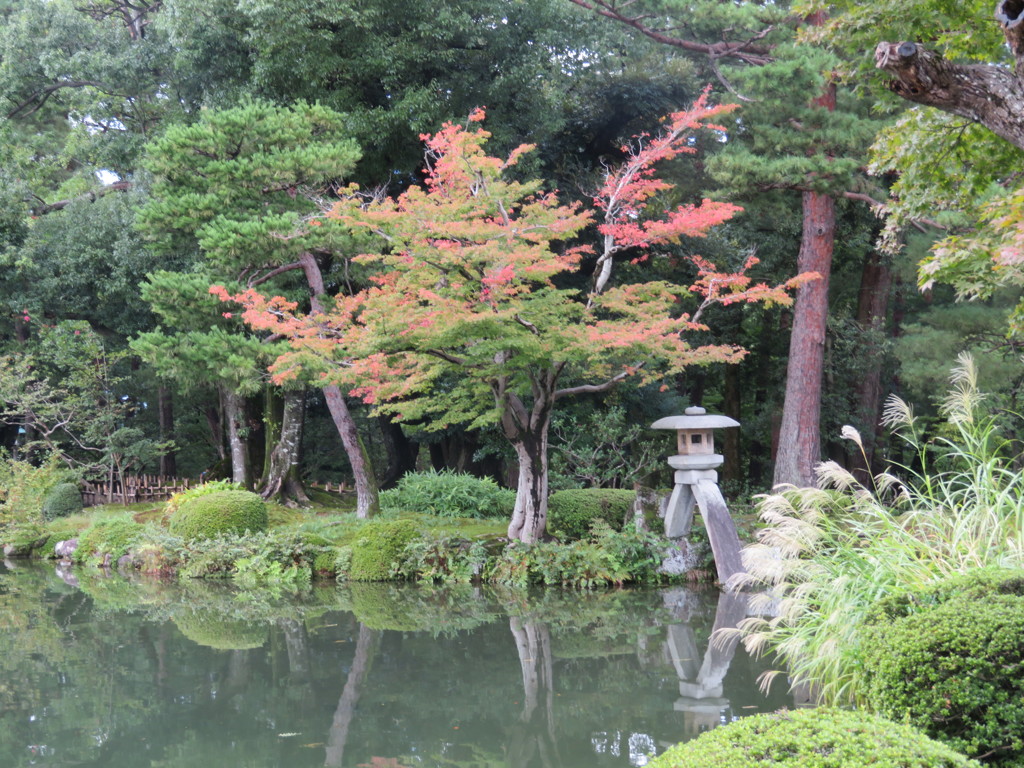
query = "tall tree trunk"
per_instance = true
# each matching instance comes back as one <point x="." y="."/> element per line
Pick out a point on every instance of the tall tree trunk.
<point x="337" y="736"/>
<point x="367" y="501"/>
<point x="872" y="310"/>
<point x="234" y="414"/>
<point x="731" y="406"/>
<point x="168" y="459"/>
<point x="800" y="433"/>
<point x="280" y="480"/>
<point x="216" y="425"/>
<point x="530" y="516"/>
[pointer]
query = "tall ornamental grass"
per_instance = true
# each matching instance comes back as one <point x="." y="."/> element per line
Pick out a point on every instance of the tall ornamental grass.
<point x="828" y="553"/>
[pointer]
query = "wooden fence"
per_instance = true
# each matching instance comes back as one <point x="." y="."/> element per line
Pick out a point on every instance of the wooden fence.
<point x="137" y="488"/>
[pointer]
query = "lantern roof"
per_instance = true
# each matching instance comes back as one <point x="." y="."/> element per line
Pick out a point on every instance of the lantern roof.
<point x="695" y="417"/>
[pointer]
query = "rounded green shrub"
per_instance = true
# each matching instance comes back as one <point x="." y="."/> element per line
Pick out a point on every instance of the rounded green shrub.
<point x="214" y="514"/>
<point x="63" y="499"/>
<point x="174" y="503"/>
<point x="812" y="738"/>
<point x="210" y="628"/>
<point x="955" y="670"/>
<point x="379" y="548"/>
<point x="572" y="512"/>
<point x="113" y="537"/>
<point x="449" y="494"/>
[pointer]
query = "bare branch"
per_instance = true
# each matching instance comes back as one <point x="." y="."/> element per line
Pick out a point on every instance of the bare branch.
<point x="595" y="388"/>
<point x="91" y="196"/>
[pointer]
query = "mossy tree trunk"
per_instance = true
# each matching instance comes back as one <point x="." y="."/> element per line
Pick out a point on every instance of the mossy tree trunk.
<point x="284" y="430"/>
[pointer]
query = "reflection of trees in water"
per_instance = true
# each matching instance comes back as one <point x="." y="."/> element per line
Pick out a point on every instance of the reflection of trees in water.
<point x="533" y="732"/>
<point x="337" y="737"/>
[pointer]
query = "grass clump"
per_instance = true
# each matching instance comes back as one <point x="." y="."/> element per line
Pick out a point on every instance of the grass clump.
<point x="572" y="512"/>
<point x="813" y="738"/>
<point x="219" y="513"/>
<point x="449" y="494"/>
<point x="828" y="554"/>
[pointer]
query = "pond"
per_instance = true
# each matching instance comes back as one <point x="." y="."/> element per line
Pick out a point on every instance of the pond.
<point x="101" y="670"/>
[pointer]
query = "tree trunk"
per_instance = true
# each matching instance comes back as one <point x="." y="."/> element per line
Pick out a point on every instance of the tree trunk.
<point x="872" y="309"/>
<point x="168" y="459"/>
<point x="234" y="414"/>
<point x="731" y="407"/>
<point x="400" y="449"/>
<point x="367" y="501"/>
<point x="534" y="733"/>
<point x="800" y="433"/>
<point x="280" y="480"/>
<point x="216" y="425"/>
<point x="530" y="516"/>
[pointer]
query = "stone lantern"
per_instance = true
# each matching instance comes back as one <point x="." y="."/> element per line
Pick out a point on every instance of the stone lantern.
<point x="696" y="486"/>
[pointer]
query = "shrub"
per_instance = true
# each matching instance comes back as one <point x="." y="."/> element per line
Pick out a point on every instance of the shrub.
<point x="449" y="494"/>
<point x="955" y="670"/>
<point x="63" y="499"/>
<point x="571" y="513"/>
<point x="812" y="738"/>
<point x="213" y="514"/>
<point x="378" y="549"/>
<point x="113" y="537"/>
<point x="174" y="503"/>
<point x="23" y="487"/>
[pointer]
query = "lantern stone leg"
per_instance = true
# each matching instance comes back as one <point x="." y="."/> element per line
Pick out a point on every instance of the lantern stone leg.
<point x="679" y="513"/>
<point x="725" y="542"/>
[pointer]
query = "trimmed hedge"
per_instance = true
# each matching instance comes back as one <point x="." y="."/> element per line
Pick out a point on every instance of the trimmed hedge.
<point x="379" y="548"/>
<point x="572" y="512"/>
<point x="956" y="670"/>
<point x="812" y="738"/>
<point x="63" y="499"/>
<point x="206" y="517"/>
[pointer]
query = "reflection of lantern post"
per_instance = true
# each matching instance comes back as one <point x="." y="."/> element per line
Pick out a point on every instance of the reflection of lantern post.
<point x="696" y="485"/>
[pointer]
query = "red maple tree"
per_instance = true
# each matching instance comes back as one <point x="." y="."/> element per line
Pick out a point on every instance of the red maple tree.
<point x="464" y="322"/>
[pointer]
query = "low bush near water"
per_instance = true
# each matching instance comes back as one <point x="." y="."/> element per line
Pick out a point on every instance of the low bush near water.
<point x="812" y="738"/>
<point x="379" y="547"/>
<point x="571" y="513"/>
<point x="112" y="536"/>
<point x="449" y="494"/>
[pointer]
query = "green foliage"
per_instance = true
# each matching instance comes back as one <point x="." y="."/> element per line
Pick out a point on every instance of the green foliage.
<point x="955" y="670"/>
<point x="278" y="557"/>
<point x="449" y="494"/>
<point x="442" y="557"/>
<point x="25" y="486"/>
<point x="214" y="630"/>
<point x="606" y="557"/>
<point x="602" y="448"/>
<point x="174" y="503"/>
<point x="112" y="537"/>
<point x="218" y="513"/>
<point x="572" y="512"/>
<point x="379" y="547"/>
<point x="828" y="554"/>
<point x="63" y="499"/>
<point x="812" y="738"/>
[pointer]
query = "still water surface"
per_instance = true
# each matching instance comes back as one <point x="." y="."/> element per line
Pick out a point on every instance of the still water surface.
<point x="98" y="670"/>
